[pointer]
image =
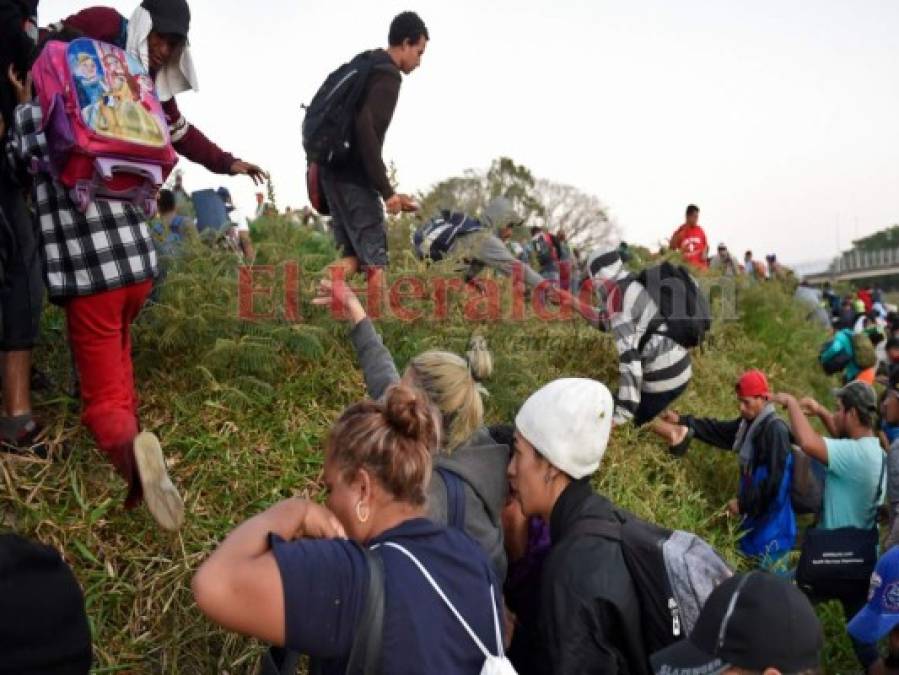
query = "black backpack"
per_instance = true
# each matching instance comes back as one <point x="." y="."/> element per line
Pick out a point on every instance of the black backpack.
<point x="673" y="573"/>
<point x="682" y="305"/>
<point x="328" y="128"/>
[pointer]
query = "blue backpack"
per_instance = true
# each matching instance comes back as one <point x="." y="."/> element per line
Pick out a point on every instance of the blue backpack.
<point x="436" y="237"/>
<point x="455" y="497"/>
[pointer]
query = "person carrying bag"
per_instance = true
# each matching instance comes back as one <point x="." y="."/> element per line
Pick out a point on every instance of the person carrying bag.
<point x="835" y="561"/>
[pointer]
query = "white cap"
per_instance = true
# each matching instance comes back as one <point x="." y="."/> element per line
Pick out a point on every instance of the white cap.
<point x="568" y="421"/>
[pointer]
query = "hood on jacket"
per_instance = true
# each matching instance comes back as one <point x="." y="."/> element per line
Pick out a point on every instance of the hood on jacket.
<point x="179" y="75"/>
<point x="482" y="462"/>
<point x="501" y="213"/>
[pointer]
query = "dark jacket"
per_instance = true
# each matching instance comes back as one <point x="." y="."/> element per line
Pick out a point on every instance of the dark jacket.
<point x="107" y="25"/>
<point x="589" y="609"/>
<point x="481" y="462"/>
<point x="772" y="447"/>
<point x="765" y="481"/>
<point x="365" y="165"/>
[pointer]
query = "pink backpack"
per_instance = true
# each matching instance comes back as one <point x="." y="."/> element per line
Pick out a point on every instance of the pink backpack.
<point x="107" y="135"/>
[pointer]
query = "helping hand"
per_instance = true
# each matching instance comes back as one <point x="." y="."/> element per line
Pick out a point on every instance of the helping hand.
<point x="671" y="417"/>
<point x="246" y="168"/>
<point x="783" y="399"/>
<point x="341" y="298"/>
<point x="810" y="406"/>
<point x="22" y="89"/>
<point x="400" y="203"/>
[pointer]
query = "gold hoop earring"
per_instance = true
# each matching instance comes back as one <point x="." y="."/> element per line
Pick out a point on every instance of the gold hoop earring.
<point x="359" y="513"/>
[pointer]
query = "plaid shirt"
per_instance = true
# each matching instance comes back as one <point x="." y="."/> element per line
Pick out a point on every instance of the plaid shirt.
<point x="107" y="247"/>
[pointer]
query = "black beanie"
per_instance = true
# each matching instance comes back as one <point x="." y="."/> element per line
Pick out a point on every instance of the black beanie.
<point x="169" y="16"/>
<point x="43" y="625"/>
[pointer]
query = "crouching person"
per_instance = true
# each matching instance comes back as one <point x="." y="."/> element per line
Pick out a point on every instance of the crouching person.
<point x="761" y="441"/>
<point x="589" y="608"/>
<point x="99" y="266"/>
<point x="302" y="575"/>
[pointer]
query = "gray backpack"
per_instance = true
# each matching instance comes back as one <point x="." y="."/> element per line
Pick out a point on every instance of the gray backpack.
<point x="673" y="572"/>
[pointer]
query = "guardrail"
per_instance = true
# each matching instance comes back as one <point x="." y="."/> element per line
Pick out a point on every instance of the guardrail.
<point x="854" y="261"/>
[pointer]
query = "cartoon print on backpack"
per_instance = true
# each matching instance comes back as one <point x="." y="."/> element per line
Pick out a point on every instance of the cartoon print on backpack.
<point x="113" y="94"/>
<point x="89" y="84"/>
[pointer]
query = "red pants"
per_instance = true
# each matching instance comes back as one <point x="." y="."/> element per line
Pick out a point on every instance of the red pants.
<point x="100" y="334"/>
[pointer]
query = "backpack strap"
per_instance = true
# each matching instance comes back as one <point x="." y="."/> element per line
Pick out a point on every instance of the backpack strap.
<point x="877" y="495"/>
<point x="597" y="527"/>
<point x="365" y="656"/>
<point x="279" y="661"/>
<point x="452" y="608"/>
<point x="455" y="497"/>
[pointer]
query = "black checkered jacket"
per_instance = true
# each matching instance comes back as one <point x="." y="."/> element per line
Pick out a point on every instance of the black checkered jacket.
<point x="107" y="247"/>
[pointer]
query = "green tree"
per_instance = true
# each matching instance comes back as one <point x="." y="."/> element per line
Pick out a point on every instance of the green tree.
<point x="471" y="191"/>
<point x="516" y="182"/>
<point x="885" y="239"/>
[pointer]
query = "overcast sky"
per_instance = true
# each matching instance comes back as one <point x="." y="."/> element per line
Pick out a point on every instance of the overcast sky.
<point x="778" y="118"/>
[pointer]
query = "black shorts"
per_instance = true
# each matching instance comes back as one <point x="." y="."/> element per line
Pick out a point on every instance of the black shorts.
<point x="652" y="405"/>
<point x="22" y="297"/>
<point x="357" y="219"/>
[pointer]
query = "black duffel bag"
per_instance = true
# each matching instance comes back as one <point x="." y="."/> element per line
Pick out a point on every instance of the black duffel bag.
<point x="835" y="562"/>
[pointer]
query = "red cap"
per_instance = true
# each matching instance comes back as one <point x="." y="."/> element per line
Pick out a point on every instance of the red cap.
<point x="753" y="383"/>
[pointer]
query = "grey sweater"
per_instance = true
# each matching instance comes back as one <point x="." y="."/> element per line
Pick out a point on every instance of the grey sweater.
<point x="481" y="462"/>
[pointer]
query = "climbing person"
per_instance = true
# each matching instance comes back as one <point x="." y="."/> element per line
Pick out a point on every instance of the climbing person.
<point x="99" y="265"/>
<point x="355" y="187"/>
<point x="468" y="459"/>
<point x="157" y="34"/>
<point x="762" y="443"/>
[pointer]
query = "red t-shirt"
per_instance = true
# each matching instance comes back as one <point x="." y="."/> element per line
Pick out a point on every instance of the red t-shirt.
<point x="692" y="243"/>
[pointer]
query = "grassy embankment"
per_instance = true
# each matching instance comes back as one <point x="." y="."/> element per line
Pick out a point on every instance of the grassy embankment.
<point x="242" y="409"/>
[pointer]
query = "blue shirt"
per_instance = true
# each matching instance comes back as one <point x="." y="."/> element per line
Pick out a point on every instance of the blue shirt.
<point x="854" y="467"/>
<point x="326" y="580"/>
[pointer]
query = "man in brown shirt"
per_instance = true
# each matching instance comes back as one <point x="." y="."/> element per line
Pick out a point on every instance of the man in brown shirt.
<point x="354" y="191"/>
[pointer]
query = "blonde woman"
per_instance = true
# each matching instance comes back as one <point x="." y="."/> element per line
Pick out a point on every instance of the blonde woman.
<point x="468" y="451"/>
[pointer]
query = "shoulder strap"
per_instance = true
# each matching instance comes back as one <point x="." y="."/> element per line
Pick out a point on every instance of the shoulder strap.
<point x="876" y="505"/>
<point x="597" y="527"/>
<point x="451" y="607"/>
<point x="455" y="497"/>
<point x="365" y="656"/>
<point x="279" y="661"/>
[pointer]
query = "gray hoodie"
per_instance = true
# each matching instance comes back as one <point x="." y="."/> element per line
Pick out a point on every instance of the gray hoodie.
<point x="481" y="462"/>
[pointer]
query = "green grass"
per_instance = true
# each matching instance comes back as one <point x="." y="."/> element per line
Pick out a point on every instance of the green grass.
<point x="242" y="409"/>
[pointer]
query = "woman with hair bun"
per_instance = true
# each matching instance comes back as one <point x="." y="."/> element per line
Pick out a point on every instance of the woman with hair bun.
<point x="297" y="575"/>
<point x="468" y="451"/>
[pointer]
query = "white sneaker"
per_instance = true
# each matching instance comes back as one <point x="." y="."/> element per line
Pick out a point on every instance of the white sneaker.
<point x="160" y="494"/>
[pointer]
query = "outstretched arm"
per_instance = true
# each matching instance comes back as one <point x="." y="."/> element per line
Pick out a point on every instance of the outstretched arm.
<point x="811" y="407"/>
<point x="377" y="363"/>
<point x="806" y="437"/>
<point x="193" y="144"/>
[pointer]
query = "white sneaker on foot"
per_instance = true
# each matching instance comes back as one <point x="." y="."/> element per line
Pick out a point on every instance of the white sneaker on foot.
<point x="160" y="494"/>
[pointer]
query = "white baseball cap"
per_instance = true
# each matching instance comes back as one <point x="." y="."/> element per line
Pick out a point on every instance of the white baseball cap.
<point x="568" y="421"/>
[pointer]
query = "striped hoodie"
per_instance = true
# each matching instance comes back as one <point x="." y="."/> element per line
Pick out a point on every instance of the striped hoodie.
<point x="661" y="365"/>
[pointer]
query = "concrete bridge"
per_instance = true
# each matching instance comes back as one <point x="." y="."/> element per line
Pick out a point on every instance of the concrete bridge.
<point x="855" y="265"/>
